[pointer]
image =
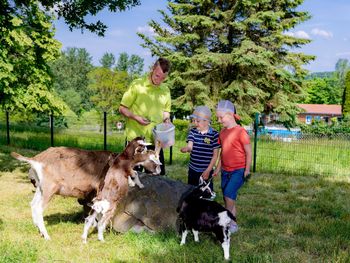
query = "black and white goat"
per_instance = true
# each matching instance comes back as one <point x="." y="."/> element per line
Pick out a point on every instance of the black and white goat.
<point x="199" y="214"/>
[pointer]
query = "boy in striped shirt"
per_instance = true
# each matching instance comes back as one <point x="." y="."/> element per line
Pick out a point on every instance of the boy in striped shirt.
<point x="203" y="146"/>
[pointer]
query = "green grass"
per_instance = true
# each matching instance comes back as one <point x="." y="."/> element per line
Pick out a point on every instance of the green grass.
<point x="282" y="218"/>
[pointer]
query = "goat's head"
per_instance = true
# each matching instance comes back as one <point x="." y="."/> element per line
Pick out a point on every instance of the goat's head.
<point x="202" y="191"/>
<point x="137" y="145"/>
<point x="149" y="160"/>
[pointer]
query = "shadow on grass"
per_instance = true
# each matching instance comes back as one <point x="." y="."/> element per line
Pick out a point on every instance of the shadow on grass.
<point x="9" y="164"/>
<point x="72" y="217"/>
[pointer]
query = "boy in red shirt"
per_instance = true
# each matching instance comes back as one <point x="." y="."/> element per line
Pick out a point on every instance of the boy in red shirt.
<point x="235" y="157"/>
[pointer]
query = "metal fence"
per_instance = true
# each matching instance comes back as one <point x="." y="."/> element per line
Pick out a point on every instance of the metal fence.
<point x="276" y="149"/>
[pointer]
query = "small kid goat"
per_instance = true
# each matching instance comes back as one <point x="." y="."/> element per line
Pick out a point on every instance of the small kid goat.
<point x="199" y="214"/>
<point x="116" y="187"/>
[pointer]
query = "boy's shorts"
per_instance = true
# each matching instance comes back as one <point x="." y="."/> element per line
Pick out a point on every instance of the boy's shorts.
<point x="231" y="182"/>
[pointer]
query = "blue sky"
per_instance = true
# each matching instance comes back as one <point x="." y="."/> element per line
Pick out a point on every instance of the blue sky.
<point x="328" y="29"/>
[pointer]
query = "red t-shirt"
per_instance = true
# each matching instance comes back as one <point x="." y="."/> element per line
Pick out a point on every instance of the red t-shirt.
<point x="232" y="143"/>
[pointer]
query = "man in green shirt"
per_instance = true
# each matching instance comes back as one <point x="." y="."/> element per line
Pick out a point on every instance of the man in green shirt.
<point x="147" y="103"/>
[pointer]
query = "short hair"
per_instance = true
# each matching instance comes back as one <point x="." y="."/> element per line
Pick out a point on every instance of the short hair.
<point x="164" y="64"/>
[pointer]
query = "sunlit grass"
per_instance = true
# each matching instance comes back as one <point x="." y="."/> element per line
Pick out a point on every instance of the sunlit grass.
<point x="282" y="218"/>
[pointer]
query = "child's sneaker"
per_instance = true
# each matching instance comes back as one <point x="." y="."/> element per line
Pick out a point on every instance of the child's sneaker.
<point x="233" y="228"/>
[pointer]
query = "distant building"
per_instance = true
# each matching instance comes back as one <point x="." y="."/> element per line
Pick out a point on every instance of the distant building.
<point x="319" y="112"/>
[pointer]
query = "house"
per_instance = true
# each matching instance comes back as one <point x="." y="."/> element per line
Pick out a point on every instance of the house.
<point x="319" y="112"/>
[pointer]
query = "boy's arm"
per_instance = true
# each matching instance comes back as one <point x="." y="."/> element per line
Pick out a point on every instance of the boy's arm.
<point x="248" y="156"/>
<point x="218" y="166"/>
<point x="187" y="148"/>
<point x="213" y="160"/>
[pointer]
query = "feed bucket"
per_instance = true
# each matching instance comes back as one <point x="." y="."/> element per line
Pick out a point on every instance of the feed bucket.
<point x="165" y="134"/>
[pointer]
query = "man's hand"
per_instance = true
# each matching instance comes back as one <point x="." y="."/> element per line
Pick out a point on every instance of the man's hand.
<point x="143" y="121"/>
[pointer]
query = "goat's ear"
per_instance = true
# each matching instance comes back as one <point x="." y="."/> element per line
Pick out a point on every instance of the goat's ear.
<point x="140" y="149"/>
<point x="155" y="159"/>
<point x="111" y="158"/>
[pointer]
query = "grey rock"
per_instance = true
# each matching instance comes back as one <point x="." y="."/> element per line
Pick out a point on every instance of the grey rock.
<point x="152" y="208"/>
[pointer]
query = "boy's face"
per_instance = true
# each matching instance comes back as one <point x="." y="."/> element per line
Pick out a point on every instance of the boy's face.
<point x="225" y="118"/>
<point x="201" y="124"/>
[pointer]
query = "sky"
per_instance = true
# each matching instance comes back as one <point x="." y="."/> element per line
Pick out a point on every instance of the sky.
<point x="328" y="28"/>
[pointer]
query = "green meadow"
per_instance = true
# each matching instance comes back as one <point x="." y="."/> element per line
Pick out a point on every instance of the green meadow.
<point x="292" y="210"/>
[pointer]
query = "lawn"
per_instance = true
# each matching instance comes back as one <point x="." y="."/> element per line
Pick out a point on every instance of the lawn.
<point x="282" y="218"/>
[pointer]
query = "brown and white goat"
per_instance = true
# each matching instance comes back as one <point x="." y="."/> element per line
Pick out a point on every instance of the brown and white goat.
<point x="70" y="172"/>
<point x="115" y="189"/>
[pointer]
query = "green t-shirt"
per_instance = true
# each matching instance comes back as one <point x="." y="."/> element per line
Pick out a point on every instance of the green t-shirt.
<point x="146" y="100"/>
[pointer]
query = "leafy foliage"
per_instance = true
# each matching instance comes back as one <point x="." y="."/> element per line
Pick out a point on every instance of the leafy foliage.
<point x="323" y="91"/>
<point x="75" y="12"/>
<point x="133" y="65"/>
<point x="235" y="50"/>
<point x="107" y="60"/>
<point x="108" y="88"/>
<point x="71" y="81"/>
<point x="27" y="47"/>
<point x="346" y="101"/>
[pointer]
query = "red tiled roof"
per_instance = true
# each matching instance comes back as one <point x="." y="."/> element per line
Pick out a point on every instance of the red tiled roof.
<point x="321" y="109"/>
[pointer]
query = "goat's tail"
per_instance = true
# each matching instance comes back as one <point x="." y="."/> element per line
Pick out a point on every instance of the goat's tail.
<point x="20" y="157"/>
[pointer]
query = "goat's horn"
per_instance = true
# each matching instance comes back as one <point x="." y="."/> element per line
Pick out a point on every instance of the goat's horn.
<point x="158" y="147"/>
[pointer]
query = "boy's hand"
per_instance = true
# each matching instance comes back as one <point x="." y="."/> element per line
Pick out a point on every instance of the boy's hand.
<point x="185" y="149"/>
<point x="216" y="172"/>
<point x="205" y="175"/>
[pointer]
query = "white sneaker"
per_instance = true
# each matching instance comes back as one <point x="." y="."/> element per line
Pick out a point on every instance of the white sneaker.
<point x="233" y="228"/>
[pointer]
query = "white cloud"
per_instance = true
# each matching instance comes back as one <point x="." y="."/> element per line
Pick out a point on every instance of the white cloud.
<point x="298" y="34"/>
<point x="322" y="33"/>
<point x="146" y="30"/>
<point x="342" y="54"/>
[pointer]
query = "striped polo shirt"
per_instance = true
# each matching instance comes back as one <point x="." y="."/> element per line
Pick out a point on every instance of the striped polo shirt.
<point x="203" y="147"/>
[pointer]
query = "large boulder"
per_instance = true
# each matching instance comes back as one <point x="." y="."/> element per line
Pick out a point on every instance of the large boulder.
<point x="152" y="208"/>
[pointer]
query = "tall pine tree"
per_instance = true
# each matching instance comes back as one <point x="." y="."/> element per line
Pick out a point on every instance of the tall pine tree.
<point x="236" y="50"/>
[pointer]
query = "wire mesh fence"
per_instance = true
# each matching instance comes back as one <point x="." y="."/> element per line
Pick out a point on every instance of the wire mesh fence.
<point x="278" y="150"/>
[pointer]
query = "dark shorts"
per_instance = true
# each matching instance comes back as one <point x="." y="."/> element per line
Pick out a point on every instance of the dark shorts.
<point x="231" y="182"/>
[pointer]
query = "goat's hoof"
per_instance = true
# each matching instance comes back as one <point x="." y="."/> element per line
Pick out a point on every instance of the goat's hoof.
<point x="141" y="186"/>
<point x="47" y="237"/>
<point x="181" y="244"/>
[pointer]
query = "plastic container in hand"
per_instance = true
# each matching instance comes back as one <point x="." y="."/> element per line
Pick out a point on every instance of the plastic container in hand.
<point x="165" y="134"/>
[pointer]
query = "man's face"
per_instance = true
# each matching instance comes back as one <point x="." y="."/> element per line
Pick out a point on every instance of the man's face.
<point x="158" y="76"/>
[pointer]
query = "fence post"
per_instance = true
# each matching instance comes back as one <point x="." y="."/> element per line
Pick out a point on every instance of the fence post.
<point x="104" y="130"/>
<point x="51" y="128"/>
<point x="8" y="127"/>
<point x="171" y="155"/>
<point x="256" y="122"/>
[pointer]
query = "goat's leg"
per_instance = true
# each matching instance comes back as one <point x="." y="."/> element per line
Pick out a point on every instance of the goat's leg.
<point x="131" y="182"/>
<point x="89" y="221"/>
<point x="101" y="226"/>
<point x="195" y="235"/>
<point x="183" y="238"/>
<point x="37" y="212"/>
<point x="223" y="235"/>
<point x="137" y="180"/>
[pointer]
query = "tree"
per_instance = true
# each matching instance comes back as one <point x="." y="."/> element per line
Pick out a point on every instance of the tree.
<point x="27" y="46"/>
<point x="323" y="91"/>
<point x="346" y="101"/>
<point x="133" y="65"/>
<point x="108" y="88"/>
<point x="107" y="60"/>
<point x="71" y="81"/>
<point x="236" y="50"/>
<point x="74" y="12"/>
